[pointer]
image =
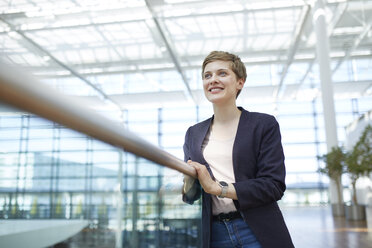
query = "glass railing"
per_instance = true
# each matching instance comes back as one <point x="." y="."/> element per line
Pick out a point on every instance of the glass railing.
<point x="148" y="209"/>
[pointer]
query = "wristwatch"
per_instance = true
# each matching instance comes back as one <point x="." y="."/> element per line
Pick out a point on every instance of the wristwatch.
<point x="224" y="186"/>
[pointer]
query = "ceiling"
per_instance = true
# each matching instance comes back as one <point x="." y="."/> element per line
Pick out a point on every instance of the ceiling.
<point x="149" y="52"/>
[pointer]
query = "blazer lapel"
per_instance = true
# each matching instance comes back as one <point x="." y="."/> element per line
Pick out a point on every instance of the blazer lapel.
<point x="240" y="135"/>
<point x="201" y="133"/>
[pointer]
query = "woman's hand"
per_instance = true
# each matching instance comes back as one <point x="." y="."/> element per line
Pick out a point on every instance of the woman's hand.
<point x="188" y="182"/>
<point x="209" y="185"/>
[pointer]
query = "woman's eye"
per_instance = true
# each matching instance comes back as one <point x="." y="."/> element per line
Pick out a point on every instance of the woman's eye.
<point x="223" y="73"/>
<point x="206" y="76"/>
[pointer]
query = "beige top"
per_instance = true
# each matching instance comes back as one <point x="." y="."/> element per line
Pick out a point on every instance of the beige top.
<point x="218" y="154"/>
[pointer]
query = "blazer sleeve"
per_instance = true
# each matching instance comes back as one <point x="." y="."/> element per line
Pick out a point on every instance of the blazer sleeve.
<point x="194" y="192"/>
<point x="269" y="184"/>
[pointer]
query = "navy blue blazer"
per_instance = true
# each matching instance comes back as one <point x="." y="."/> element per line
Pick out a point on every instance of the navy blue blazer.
<point x="259" y="170"/>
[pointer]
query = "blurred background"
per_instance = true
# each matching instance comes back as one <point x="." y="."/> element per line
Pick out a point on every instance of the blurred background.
<point x="139" y="63"/>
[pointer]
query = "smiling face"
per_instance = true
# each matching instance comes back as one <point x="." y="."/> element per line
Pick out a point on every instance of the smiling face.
<point x="220" y="83"/>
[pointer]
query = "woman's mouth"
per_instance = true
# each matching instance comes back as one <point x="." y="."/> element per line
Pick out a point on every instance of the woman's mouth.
<point x="215" y="89"/>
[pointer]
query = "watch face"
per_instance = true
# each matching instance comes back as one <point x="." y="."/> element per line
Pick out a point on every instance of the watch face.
<point x="223" y="183"/>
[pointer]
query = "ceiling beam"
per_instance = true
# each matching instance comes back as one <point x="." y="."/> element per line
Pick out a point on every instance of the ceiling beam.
<point x="50" y="72"/>
<point x="171" y="53"/>
<point x="21" y="14"/>
<point x="353" y="47"/>
<point x="294" y="46"/>
<point x="100" y="92"/>
<point x="339" y="13"/>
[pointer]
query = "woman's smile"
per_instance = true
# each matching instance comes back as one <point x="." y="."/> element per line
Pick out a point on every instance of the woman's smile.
<point x="215" y="89"/>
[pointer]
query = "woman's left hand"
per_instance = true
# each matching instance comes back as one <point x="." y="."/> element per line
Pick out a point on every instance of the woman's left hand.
<point x="209" y="185"/>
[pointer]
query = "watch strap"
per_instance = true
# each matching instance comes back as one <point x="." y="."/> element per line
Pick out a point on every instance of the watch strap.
<point x="224" y="187"/>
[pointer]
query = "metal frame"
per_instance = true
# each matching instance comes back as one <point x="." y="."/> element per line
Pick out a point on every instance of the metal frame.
<point x="261" y="32"/>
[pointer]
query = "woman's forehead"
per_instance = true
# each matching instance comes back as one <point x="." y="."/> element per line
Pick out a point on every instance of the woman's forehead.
<point x="218" y="65"/>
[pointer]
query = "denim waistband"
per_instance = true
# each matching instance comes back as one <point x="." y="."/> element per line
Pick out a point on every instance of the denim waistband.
<point x="227" y="216"/>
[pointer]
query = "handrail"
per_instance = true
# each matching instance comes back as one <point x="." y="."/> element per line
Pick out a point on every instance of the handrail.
<point x="25" y="92"/>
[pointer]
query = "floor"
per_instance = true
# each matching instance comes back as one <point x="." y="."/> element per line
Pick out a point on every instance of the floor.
<point x="315" y="227"/>
<point x="23" y="232"/>
<point x="310" y="227"/>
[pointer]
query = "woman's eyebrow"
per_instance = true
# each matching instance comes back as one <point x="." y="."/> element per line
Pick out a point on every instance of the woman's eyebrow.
<point x="220" y="69"/>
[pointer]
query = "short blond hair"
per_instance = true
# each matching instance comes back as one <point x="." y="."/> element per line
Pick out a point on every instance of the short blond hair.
<point x="237" y="66"/>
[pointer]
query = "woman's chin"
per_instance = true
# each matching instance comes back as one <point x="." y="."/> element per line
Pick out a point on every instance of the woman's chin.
<point x="217" y="100"/>
<point x="220" y="98"/>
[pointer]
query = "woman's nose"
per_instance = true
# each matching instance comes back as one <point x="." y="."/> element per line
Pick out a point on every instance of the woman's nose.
<point x="213" y="78"/>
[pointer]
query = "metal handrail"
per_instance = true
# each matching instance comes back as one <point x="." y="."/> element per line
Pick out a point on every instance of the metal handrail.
<point x="23" y="91"/>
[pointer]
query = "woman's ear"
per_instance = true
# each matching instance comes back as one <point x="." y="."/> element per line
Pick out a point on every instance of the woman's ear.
<point x="241" y="83"/>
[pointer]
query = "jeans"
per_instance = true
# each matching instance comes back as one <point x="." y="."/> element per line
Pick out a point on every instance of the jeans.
<point x="233" y="234"/>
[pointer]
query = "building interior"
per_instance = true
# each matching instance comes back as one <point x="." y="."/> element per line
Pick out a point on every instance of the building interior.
<point x="137" y="63"/>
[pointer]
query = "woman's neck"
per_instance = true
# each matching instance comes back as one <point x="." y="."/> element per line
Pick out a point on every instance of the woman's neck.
<point x="225" y="113"/>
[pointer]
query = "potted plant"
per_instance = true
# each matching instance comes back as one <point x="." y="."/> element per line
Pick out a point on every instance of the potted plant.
<point x="334" y="168"/>
<point x="359" y="163"/>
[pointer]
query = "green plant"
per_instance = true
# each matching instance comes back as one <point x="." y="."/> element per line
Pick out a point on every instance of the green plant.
<point x="34" y="208"/>
<point x="359" y="160"/>
<point x="334" y="167"/>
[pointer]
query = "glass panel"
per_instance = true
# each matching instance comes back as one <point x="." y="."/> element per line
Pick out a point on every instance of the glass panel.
<point x="63" y="175"/>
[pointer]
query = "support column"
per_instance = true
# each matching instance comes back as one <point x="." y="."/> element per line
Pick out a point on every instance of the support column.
<point x="159" y="202"/>
<point x="134" y="238"/>
<point x="119" y="203"/>
<point x="322" y="48"/>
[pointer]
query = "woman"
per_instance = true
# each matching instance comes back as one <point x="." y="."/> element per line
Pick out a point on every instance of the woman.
<point x="239" y="162"/>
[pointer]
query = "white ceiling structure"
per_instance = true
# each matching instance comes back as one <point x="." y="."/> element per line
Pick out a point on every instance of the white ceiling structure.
<point x="132" y="53"/>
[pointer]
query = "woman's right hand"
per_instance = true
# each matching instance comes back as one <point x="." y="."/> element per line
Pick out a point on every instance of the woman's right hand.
<point x="208" y="184"/>
<point x="188" y="181"/>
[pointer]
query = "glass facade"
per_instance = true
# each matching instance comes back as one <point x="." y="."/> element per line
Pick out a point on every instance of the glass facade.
<point x="50" y="172"/>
